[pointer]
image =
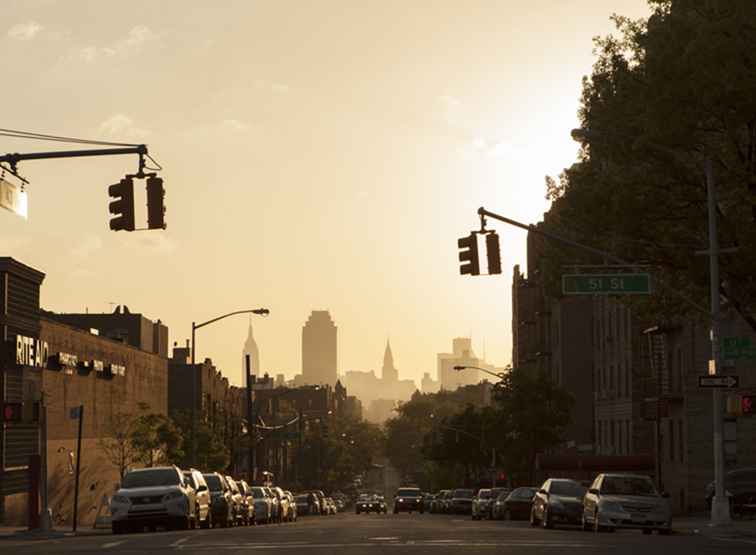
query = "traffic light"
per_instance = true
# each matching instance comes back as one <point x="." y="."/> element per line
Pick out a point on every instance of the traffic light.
<point x="748" y="405"/>
<point x="155" y="203"/>
<point x="123" y="205"/>
<point x="492" y="253"/>
<point x="469" y="254"/>
<point x="13" y="412"/>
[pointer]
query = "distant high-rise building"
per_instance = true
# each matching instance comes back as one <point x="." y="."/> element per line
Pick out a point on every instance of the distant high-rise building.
<point x="389" y="373"/>
<point x="250" y="348"/>
<point x="319" y="349"/>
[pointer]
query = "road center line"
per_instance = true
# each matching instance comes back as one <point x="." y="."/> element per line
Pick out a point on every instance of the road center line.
<point x="112" y="544"/>
<point x="178" y="542"/>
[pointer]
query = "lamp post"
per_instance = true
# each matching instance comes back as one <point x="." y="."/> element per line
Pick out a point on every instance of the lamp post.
<point x="500" y="376"/>
<point x="195" y="327"/>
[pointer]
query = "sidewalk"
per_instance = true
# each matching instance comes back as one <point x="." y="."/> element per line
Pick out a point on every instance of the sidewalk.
<point x="699" y="524"/>
<point x="23" y="533"/>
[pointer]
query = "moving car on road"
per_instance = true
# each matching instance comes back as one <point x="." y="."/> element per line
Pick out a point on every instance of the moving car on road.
<point x="516" y="505"/>
<point x="559" y="501"/>
<point x="408" y="500"/>
<point x="152" y="497"/>
<point x="626" y="501"/>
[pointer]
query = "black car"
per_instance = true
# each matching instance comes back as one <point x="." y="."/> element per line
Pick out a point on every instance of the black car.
<point x="408" y="500"/>
<point x="559" y="501"/>
<point x="460" y="502"/>
<point x="369" y="504"/>
<point x="740" y="486"/>
<point x="517" y="504"/>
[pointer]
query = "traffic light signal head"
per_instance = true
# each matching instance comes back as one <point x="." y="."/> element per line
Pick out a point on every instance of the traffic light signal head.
<point x="469" y="255"/>
<point x="492" y="253"/>
<point x="123" y="205"/>
<point x="748" y="405"/>
<point x="155" y="203"/>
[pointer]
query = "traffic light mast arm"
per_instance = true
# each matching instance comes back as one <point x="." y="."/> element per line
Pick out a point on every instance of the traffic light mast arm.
<point x="483" y="213"/>
<point x="13" y="159"/>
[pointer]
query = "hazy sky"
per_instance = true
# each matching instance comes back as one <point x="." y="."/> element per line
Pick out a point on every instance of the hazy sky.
<point x="317" y="155"/>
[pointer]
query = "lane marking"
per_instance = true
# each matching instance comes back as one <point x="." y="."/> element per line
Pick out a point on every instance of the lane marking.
<point x="178" y="542"/>
<point x="384" y="538"/>
<point x="112" y="544"/>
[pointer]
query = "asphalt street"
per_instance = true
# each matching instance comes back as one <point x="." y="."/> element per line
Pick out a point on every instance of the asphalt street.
<point x="410" y="534"/>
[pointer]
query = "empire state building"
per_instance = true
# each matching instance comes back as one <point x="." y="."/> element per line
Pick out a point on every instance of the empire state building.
<point x="250" y="348"/>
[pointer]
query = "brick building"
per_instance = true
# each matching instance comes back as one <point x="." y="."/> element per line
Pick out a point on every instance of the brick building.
<point x="51" y="367"/>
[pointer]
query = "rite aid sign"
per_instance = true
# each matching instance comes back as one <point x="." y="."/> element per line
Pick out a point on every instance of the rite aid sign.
<point x="31" y="352"/>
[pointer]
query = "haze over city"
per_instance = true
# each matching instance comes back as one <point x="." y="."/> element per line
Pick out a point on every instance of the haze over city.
<point x="317" y="156"/>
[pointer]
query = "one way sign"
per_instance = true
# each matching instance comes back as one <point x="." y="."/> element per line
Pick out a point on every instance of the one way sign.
<point x="718" y="381"/>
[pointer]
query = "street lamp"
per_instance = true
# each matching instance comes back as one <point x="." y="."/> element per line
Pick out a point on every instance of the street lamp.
<point x="195" y="327"/>
<point x="501" y="375"/>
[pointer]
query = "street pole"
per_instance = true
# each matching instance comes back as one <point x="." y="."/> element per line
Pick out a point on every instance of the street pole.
<point x="720" y="507"/>
<point x="78" y="469"/>
<point x="194" y="399"/>
<point x="250" y="423"/>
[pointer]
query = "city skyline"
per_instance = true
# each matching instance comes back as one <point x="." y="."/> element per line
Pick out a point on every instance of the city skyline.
<point x="420" y="132"/>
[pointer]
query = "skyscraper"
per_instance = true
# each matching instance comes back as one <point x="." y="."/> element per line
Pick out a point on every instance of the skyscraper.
<point x="319" y="349"/>
<point x="250" y="348"/>
<point x="389" y="373"/>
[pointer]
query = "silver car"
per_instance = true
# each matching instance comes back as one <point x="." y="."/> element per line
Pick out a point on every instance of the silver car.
<point x="626" y="501"/>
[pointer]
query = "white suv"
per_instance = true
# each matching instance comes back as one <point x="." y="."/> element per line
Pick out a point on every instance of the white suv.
<point x="152" y="497"/>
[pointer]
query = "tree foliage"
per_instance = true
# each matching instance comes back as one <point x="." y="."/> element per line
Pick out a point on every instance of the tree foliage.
<point x="664" y="96"/>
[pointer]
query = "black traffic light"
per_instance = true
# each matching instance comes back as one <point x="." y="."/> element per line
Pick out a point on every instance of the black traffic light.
<point x="492" y="253"/>
<point x="123" y="205"/>
<point x="155" y="203"/>
<point x="748" y="405"/>
<point x="13" y="412"/>
<point x="469" y="254"/>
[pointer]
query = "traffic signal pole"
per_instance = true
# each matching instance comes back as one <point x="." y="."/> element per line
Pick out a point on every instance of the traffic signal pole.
<point x="13" y="159"/>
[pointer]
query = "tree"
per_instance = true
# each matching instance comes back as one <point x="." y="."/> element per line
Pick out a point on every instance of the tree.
<point x="212" y="454"/>
<point x="669" y="93"/>
<point x="532" y="414"/>
<point x="156" y="439"/>
<point x="117" y="441"/>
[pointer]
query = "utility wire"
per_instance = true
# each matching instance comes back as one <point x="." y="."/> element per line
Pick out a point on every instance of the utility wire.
<point x="47" y="137"/>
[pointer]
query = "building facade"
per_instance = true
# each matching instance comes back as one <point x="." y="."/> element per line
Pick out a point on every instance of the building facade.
<point x="320" y="349"/>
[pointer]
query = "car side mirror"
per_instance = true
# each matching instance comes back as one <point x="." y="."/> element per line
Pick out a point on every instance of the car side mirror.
<point x="594" y="491"/>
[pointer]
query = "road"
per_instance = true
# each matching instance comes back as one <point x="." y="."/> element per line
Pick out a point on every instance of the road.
<point x="349" y="534"/>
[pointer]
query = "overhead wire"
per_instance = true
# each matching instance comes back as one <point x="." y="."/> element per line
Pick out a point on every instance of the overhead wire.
<point x="19" y="134"/>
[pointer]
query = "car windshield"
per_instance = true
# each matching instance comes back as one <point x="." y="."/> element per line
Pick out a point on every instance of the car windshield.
<point x="463" y="493"/>
<point x="213" y="482"/>
<point x="523" y="493"/>
<point x="484" y="494"/>
<point x="627" y="485"/>
<point x="151" y="477"/>
<point x="408" y="493"/>
<point x="567" y="489"/>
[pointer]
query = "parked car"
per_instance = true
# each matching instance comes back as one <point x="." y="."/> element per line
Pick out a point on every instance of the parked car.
<point x="321" y="500"/>
<point x="461" y="501"/>
<point x="248" y="503"/>
<point x="408" y="500"/>
<point x="283" y="504"/>
<point x="293" y="509"/>
<point x="382" y="508"/>
<point x="236" y="501"/>
<point x="559" y="501"/>
<point x="221" y="502"/>
<point x="155" y="496"/>
<point x="740" y="487"/>
<point x="626" y="501"/>
<point x="200" y="498"/>
<point x="275" y="505"/>
<point x="437" y="505"/>
<point x="481" y="504"/>
<point x="331" y="504"/>
<point x="446" y="502"/>
<point x="303" y="504"/>
<point x="495" y="495"/>
<point x="516" y="505"/>
<point x="263" y="505"/>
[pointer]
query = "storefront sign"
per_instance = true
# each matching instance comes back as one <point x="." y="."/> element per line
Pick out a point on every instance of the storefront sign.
<point x="31" y="352"/>
<point x="117" y="370"/>
<point x="98" y="366"/>
<point x="67" y="360"/>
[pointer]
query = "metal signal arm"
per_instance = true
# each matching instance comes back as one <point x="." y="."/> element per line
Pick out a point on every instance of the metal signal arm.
<point x="141" y="150"/>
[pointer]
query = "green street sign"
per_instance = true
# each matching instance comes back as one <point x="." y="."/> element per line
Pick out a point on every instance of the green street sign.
<point x="734" y="348"/>
<point x="606" y="284"/>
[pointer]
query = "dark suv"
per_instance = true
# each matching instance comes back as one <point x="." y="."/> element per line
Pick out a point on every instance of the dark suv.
<point x="408" y="500"/>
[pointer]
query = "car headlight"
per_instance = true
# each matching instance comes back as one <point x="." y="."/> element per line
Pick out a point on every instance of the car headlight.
<point x="122" y="499"/>
<point x="401" y="500"/>
<point x="611" y="506"/>
<point x="173" y="496"/>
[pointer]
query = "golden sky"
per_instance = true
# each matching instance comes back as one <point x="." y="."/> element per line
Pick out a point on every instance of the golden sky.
<point x="317" y="155"/>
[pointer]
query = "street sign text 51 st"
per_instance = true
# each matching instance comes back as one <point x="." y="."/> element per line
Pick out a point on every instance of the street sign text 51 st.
<point x="606" y="284"/>
<point x="718" y="381"/>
